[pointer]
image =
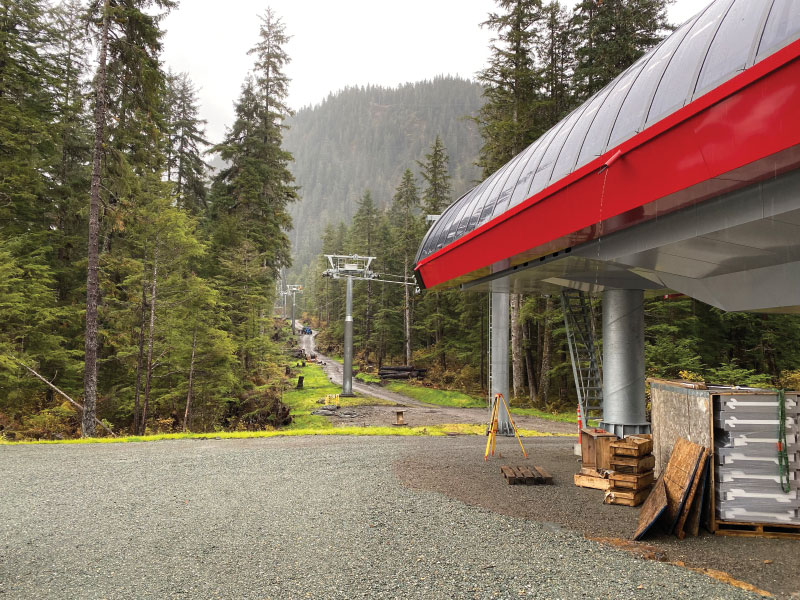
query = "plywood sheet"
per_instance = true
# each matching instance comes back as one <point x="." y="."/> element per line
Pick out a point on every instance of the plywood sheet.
<point x="652" y="509"/>
<point x="694" y="490"/>
<point x="678" y="477"/>
<point x="700" y="499"/>
<point x="678" y="411"/>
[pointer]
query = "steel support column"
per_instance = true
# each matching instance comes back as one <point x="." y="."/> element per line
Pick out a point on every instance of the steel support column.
<point x="347" y="373"/>
<point x="293" y="294"/>
<point x="499" y="347"/>
<point x="623" y="363"/>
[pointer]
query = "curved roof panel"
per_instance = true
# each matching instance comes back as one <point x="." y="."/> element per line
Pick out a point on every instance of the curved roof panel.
<point x="724" y="39"/>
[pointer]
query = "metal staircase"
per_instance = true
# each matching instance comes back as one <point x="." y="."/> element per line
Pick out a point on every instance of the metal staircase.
<point x="583" y="350"/>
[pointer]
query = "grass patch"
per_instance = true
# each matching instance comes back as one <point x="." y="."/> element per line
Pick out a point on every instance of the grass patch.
<point x="434" y="396"/>
<point x="461" y="400"/>
<point x="315" y="387"/>
<point x="436" y="430"/>
<point x="368" y="378"/>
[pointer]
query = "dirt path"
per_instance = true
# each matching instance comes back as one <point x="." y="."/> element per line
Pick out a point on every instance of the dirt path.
<point x="417" y="413"/>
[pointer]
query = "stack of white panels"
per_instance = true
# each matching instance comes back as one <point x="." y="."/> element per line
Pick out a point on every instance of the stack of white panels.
<point x="748" y="484"/>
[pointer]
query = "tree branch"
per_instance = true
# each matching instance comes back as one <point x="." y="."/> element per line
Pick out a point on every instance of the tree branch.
<point x="58" y="391"/>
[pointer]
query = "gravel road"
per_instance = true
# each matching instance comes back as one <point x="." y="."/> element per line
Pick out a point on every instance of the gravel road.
<point x="283" y="518"/>
<point x="417" y="413"/>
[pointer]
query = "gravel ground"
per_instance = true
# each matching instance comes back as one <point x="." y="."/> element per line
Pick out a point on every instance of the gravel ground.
<point x="287" y="518"/>
<point x="459" y="472"/>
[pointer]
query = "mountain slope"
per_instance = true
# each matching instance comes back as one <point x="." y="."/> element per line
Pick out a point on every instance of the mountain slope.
<point x="364" y="138"/>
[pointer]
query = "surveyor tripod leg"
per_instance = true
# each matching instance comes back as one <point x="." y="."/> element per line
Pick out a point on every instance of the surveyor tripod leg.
<point x="492" y="433"/>
<point x="514" y="427"/>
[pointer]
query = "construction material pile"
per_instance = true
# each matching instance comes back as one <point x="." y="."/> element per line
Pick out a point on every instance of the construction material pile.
<point x="677" y="500"/>
<point x="753" y="481"/>
<point x="621" y="468"/>
<point x="401" y="372"/>
<point x="631" y="473"/>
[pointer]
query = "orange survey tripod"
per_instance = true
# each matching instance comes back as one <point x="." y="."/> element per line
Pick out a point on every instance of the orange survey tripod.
<point x="493" y="427"/>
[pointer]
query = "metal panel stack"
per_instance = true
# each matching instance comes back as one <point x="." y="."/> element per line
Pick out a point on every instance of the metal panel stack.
<point x="748" y="483"/>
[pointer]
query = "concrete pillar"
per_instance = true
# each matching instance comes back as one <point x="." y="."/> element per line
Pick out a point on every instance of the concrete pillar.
<point x="624" y="410"/>
<point x="347" y="373"/>
<point x="498" y="367"/>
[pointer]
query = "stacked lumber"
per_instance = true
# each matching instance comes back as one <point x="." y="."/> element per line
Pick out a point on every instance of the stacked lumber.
<point x="631" y="476"/>
<point x="401" y="372"/>
<point x="525" y="475"/>
<point x="747" y="476"/>
<point x="677" y="498"/>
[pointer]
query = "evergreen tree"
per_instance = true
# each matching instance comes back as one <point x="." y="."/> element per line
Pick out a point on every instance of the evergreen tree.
<point x="610" y="35"/>
<point x="436" y="195"/>
<point x="251" y="196"/>
<point x="186" y="141"/>
<point x="508" y="120"/>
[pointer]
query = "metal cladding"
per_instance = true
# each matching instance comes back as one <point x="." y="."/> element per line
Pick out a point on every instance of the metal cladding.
<point x="670" y="124"/>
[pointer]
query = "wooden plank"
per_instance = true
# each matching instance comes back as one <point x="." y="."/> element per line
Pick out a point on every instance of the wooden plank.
<point x="528" y="474"/>
<point x="678" y="477"/>
<point x="687" y="506"/>
<point x="510" y="474"/>
<point x="630" y="464"/>
<point x="631" y="481"/>
<point x="653" y="508"/>
<point x="595" y="483"/>
<point x="604" y="451"/>
<point x="547" y="479"/>
<point x="693" y="523"/>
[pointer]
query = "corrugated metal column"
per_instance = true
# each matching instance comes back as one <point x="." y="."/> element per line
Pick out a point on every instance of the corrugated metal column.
<point x="347" y="373"/>
<point x="499" y="357"/>
<point x="624" y="410"/>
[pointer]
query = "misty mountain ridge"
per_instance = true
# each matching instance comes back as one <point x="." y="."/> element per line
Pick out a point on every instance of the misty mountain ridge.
<point x="364" y="138"/>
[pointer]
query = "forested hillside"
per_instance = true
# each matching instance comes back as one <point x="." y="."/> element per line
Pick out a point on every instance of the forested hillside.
<point x="364" y="138"/>
<point x="162" y="321"/>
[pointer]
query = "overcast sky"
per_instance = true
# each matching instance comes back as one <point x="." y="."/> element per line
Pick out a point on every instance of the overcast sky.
<point x="333" y="45"/>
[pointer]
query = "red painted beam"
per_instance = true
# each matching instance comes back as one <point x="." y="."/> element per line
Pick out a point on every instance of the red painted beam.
<point x="738" y="133"/>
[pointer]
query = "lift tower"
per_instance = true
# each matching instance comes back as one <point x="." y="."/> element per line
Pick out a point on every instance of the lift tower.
<point x="293" y="289"/>
<point x="354" y="267"/>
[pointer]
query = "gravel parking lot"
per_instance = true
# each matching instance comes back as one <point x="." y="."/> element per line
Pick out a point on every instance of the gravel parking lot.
<point x="315" y="517"/>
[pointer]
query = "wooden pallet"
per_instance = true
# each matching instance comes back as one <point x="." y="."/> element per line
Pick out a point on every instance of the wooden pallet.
<point x="524" y="475"/>
<point x="767" y="530"/>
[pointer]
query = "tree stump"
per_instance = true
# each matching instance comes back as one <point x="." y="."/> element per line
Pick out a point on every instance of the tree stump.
<point x="299" y="383"/>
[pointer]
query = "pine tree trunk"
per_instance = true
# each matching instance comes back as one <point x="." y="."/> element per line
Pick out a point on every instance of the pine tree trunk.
<point x="150" y="337"/>
<point x="530" y="366"/>
<point x="187" y="413"/>
<point x="516" y="345"/>
<point x="139" y="361"/>
<point x="544" y="378"/>
<point x="93" y="254"/>
<point x="407" y="312"/>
